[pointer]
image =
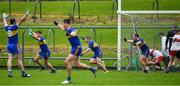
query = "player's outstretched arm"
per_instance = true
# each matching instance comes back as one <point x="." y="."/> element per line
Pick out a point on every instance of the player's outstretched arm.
<point x="129" y="41"/>
<point x="5" y="19"/>
<point x="59" y="25"/>
<point x="86" y="51"/>
<point x="23" y="18"/>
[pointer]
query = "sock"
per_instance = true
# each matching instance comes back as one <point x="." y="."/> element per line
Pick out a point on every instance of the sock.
<point x="69" y="78"/>
<point x="42" y="67"/>
<point x="23" y="72"/>
<point x="9" y="72"/>
<point x="91" y="69"/>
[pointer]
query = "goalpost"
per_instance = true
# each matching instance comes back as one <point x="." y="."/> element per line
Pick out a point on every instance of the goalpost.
<point x="120" y="12"/>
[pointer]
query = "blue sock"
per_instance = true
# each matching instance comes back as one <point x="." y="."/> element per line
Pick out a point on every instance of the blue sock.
<point x="69" y="78"/>
<point x="23" y="72"/>
<point x="91" y="69"/>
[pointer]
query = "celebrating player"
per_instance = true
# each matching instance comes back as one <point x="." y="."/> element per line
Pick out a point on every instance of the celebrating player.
<point x="44" y="53"/>
<point x="139" y="42"/>
<point x="13" y="45"/>
<point x="96" y="59"/>
<point x="75" y="50"/>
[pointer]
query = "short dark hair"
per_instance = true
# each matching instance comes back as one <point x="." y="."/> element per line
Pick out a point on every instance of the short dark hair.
<point x="175" y="27"/>
<point x="12" y="21"/>
<point x="161" y="33"/>
<point x="68" y="21"/>
<point x="39" y="32"/>
<point x="136" y="35"/>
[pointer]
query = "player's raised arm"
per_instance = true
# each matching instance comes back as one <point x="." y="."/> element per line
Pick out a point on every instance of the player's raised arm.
<point x="5" y="19"/>
<point x="34" y="35"/>
<point x="59" y="25"/>
<point x="23" y="18"/>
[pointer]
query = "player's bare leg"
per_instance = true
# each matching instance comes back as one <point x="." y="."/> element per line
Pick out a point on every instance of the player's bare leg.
<point x="9" y="64"/>
<point x="20" y="64"/>
<point x="78" y="63"/>
<point x="68" y="68"/>
<point x="46" y="61"/>
<point x="98" y="62"/>
<point x="143" y="63"/>
<point x="37" y="60"/>
<point x="170" y="63"/>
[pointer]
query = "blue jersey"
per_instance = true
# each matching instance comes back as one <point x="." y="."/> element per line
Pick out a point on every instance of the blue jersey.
<point x="74" y="41"/>
<point x="12" y="32"/>
<point x="142" y="45"/>
<point x="43" y="46"/>
<point x="94" y="47"/>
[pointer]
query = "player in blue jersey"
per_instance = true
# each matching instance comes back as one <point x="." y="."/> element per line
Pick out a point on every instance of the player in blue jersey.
<point x="76" y="50"/>
<point x="44" y="53"/>
<point x="97" y="58"/>
<point x="13" y="45"/>
<point x="144" y="49"/>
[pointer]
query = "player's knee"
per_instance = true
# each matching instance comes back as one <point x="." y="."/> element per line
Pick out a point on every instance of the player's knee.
<point x="78" y="65"/>
<point x="35" y="60"/>
<point x="91" y="62"/>
<point x="66" y="62"/>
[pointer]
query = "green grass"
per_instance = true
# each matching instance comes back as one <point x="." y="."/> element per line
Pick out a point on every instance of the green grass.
<point x="147" y="5"/>
<point x="61" y="7"/>
<point x="82" y="77"/>
<point x="99" y="11"/>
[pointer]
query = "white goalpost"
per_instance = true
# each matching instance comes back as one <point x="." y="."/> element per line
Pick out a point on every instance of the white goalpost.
<point x="121" y="12"/>
<point x="119" y="36"/>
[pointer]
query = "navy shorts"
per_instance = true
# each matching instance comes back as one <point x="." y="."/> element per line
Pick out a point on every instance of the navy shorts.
<point x="45" y="55"/>
<point x="145" y="52"/>
<point x="76" y="50"/>
<point x="13" y="48"/>
<point x="97" y="54"/>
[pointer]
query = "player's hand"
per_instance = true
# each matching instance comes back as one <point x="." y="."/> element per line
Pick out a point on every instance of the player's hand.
<point x="4" y="15"/>
<point x="125" y="39"/>
<point x="27" y="12"/>
<point x="55" y="23"/>
<point x="81" y="54"/>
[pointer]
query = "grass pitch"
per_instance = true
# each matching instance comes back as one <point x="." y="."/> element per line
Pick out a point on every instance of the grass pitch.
<point x="84" y="77"/>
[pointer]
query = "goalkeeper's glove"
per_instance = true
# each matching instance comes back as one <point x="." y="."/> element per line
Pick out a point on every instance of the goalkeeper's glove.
<point x="125" y="39"/>
<point x="55" y="23"/>
<point x="4" y="15"/>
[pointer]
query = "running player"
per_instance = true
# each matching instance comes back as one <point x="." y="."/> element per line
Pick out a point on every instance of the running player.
<point x="13" y="45"/>
<point x="139" y="42"/>
<point x="75" y="50"/>
<point x="44" y="53"/>
<point x="97" y="58"/>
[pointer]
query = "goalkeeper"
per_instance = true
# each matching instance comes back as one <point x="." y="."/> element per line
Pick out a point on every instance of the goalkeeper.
<point x="144" y="49"/>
